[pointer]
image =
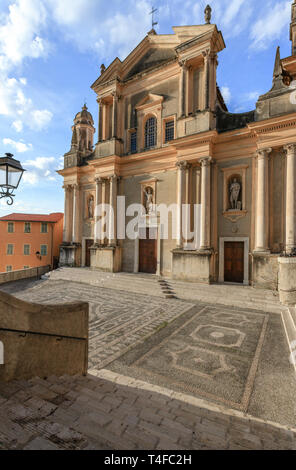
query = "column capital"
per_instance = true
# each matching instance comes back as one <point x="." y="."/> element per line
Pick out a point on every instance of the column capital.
<point x="114" y="178"/>
<point x="75" y="186"/>
<point x="290" y="148"/>
<point x="206" y="161"/>
<point x="98" y="180"/>
<point x="67" y="187"/>
<point x="183" y="63"/>
<point x="183" y="165"/>
<point x="206" y="54"/>
<point x="263" y="153"/>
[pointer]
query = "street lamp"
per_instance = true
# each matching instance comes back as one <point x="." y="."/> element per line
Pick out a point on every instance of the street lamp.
<point x="11" y="172"/>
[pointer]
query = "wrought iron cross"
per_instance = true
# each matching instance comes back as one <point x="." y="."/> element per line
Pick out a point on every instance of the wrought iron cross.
<point x="154" y="10"/>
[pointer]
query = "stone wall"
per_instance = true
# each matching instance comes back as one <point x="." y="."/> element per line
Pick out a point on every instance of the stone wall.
<point x="287" y="280"/>
<point x="265" y="271"/>
<point x="42" y="340"/>
<point x="23" y="274"/>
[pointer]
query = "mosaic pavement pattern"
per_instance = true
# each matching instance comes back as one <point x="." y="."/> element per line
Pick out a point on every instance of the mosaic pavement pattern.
<point x="213" y="353"/>
<point x="118" y="320"/>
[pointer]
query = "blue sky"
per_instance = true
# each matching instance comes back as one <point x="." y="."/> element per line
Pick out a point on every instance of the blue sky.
<point x="51" y="52"/>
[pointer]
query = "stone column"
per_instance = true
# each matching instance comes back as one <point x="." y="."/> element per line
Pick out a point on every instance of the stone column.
<point x="206" y="55"/>
<point x="180" y="177"/>
<point x="198" y="184"/>
<point x="114" y="115"/>
<point x="75" y="224"/>
<point x="66" y="230"/>
<point x="100" y="120"/>
<point x="97" y="235"/>
<point x="112" y="239"/>
<point x="187" y="202"/>
<point x="205" y="228"/>
<point x="262" y="210"/>
<point x="197" y="212"/>
<point x="182" y="90"/>
<point x="105" y="126"/>
<point x="291" y="198"/>
<point x="212" y="89"/>
<point x="102" y="237"/>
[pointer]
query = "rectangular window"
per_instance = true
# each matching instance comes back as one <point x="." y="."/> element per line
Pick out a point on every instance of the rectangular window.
<point x="169" y="130"/>
<point x="27" y="227"/>
<point x="10" y="249"/>
<point x="44" y="227"/>
<point x="10" y="228"/>
<point x="8" y="269"/>
<point x="43" y="250"/>
<point x="134" y="142"/>
<point x="26" y="249"/>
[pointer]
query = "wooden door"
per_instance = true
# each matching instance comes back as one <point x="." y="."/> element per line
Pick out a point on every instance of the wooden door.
<point x="89" y="243"/>
<point x="148" y="254"/>
<point x="234" y="262"/>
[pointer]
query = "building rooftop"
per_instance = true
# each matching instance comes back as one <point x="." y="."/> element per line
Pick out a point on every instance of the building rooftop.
<point x="54" y="217"/>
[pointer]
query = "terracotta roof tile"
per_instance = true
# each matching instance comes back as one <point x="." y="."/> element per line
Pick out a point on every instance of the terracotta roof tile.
<point x="54" y="217"/>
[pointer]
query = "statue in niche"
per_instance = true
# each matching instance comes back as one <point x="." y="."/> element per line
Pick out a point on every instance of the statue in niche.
<point x="235" y="189"/>
<point x="90" y="207"/>
<point x="149" y="202"/>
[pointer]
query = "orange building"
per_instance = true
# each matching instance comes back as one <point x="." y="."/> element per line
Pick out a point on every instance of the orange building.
<point x="30" y="240"/>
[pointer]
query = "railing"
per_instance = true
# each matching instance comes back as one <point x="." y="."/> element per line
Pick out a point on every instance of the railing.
<point x="42" y="340"/>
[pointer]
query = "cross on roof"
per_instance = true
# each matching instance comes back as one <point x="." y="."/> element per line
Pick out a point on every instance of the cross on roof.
<point x="154" y="10"/>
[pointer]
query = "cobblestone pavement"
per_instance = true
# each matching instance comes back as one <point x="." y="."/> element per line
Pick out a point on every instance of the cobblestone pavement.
<point x="105" y="411"/>
<point x="137" y="336"/>
<point x="118" y="320"/>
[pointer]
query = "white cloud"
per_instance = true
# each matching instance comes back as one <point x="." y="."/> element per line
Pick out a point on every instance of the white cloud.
<point x="15" y="104"/>
<point x="40" y="169"/>
<point x="40" y="118"/>
<point x="232" y="11"/>
<point x="226" y="93"/>
<point x="252" y="96"/>
<point x="270" y="26"/>
<point x="17" y="125"/>
<point x="98" y="26"/>
<point x="20" y="38"/>
<point x="20" y="147"/>
<point x="20" y="33"/>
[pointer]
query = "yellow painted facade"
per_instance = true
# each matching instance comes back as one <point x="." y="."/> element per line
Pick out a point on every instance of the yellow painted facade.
<point x="163" y="125"/>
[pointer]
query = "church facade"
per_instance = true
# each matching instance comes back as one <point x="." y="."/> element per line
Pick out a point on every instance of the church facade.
<point x="166" y="137"/>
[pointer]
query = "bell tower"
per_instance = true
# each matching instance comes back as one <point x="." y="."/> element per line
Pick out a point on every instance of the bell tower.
<point x="83" y="132"/>
<point x="293" y="28"/>
<point x="82" y="139"/>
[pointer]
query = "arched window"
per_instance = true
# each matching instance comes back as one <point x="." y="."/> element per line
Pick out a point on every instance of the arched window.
<point x="150" y="132"/>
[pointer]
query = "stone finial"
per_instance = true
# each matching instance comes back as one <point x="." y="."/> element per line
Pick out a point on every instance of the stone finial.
<point x="208" y="14"/>
<point x="277" y="72"/>
<point x="103" y="68"/>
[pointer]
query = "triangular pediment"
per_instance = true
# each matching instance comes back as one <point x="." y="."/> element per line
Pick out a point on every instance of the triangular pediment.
<point x="150" y="100"/>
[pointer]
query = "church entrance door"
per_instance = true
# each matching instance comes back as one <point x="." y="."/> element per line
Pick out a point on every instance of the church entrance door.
<point x="148" y="252"/>
<point x="234" y="262"/>
<point x="88" y="245"/>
